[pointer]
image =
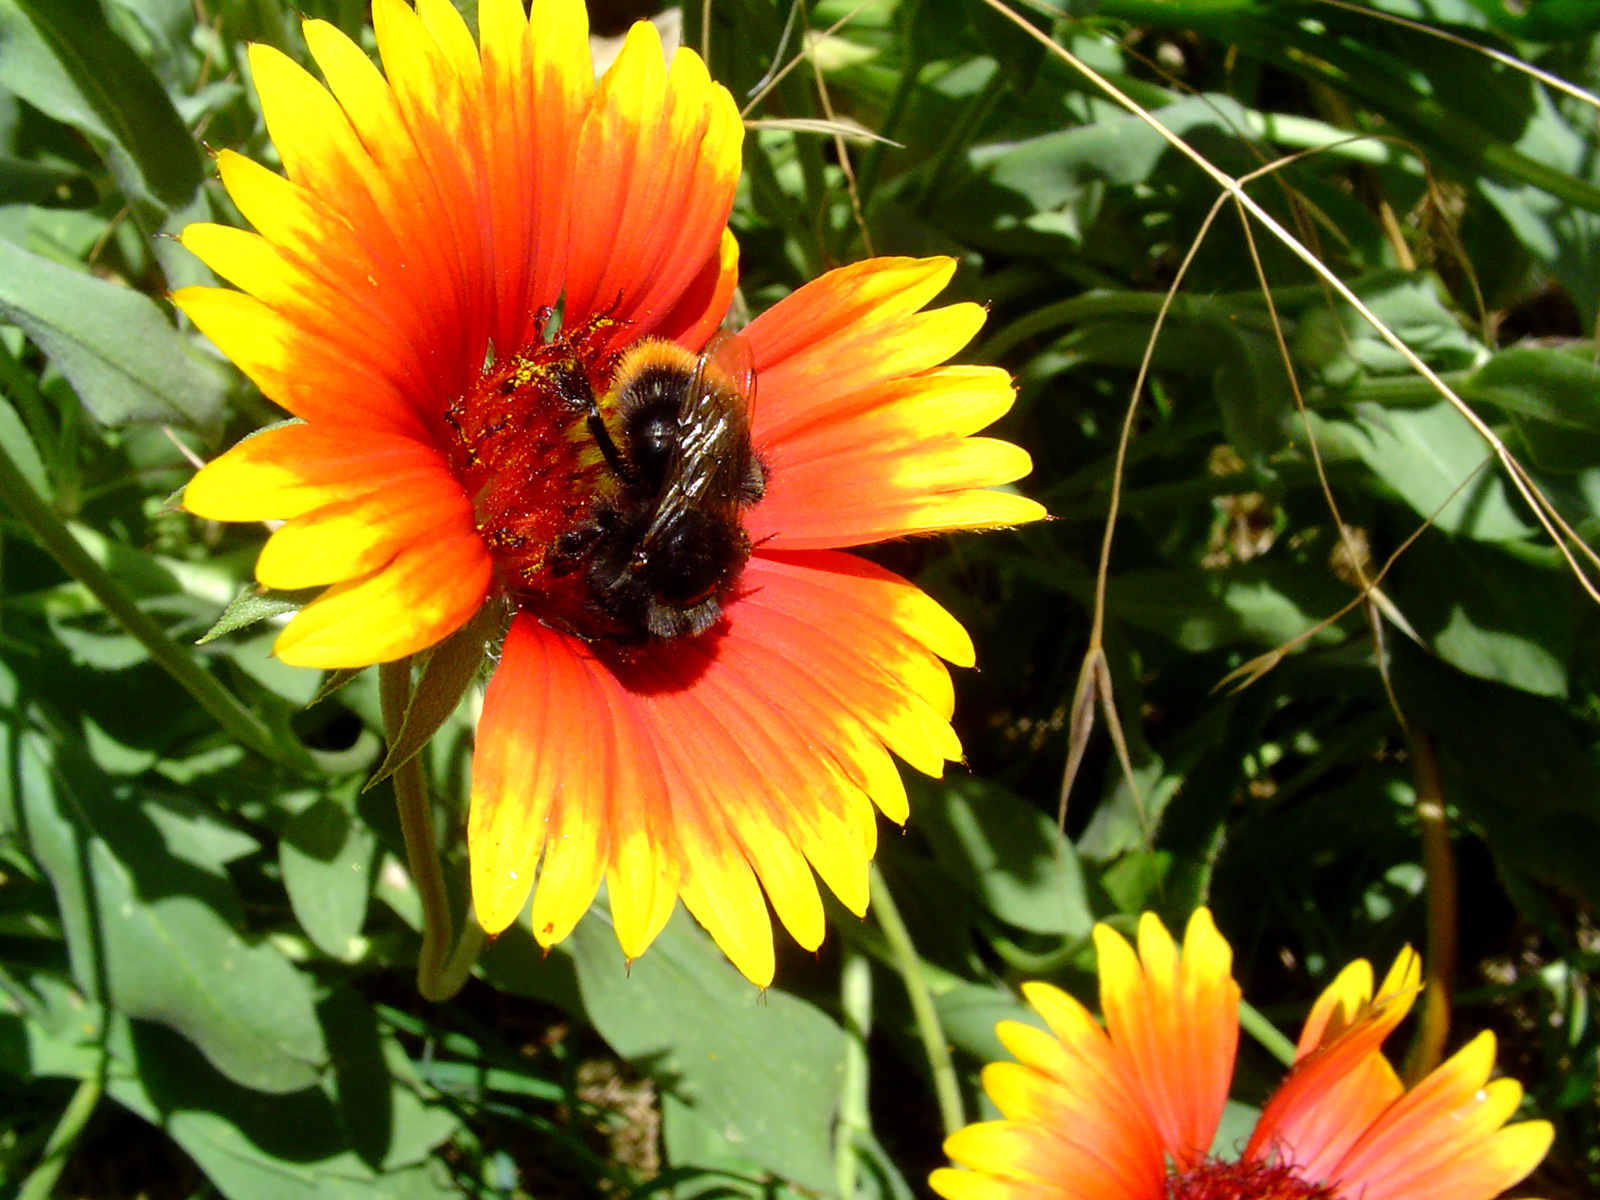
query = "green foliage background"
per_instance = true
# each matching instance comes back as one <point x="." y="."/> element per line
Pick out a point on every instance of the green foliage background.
<point x="206" y="937"/>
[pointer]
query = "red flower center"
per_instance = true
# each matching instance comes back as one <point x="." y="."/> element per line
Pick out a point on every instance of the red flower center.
<point x="608" y="485"/>
<point x="524" y="454"/>
<point x="1244" y="1181"/>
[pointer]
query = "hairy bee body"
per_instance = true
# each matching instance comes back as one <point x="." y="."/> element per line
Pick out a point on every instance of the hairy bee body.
<point x="665" y="542"/>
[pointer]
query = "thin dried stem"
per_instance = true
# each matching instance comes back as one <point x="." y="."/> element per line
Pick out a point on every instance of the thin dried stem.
<point x="776" y="77"/>
<point x="1499" y="56"/>
<point x="1560" y="533"/>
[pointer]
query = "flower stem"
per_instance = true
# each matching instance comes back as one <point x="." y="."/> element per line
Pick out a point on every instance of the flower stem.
<point x="41" y="1180"/>
<point x="909" y="964"/>
<point x="855" y="1005"/>
<point x="440" y="972"/>
<point x="56" y="537"/>
<point x="1267" y="1035"/>
<point x="1440" y="896"/>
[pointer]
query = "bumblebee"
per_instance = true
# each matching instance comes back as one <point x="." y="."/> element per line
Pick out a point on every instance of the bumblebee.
<point x="665" y="542"/>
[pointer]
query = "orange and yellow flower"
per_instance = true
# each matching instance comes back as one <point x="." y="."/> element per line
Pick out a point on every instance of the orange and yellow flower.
<point x="1130" y="1111"/>
<point x="450" y="237"/>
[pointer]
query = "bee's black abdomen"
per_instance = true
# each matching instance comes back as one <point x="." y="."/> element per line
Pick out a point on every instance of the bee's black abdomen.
<point x="690" y="558"/>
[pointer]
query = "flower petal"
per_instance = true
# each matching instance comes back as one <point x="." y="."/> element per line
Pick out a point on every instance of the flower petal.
<point x="536" y="92"/>
<point x="1032" y="1155"/>
<point x="305" y="373"/>
<point x="425" y="594"/>
<point x="858" y="635"/>
<point x="282" y="472"/>
<point x="1341" y="1081"/>
<point x="891" y="461"/>
<point x="1443" y="1139"/>
<point x="355" y="536"/>
<point x="973" y="1185"/>
<point x="698" y="312"/>
<point x="1174" y="1022"/>
<point x="532" y="710"/>
<point x="657" y="164"/>
<point x="854" y="328"/>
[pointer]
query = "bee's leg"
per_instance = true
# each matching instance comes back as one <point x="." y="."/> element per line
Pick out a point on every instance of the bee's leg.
<point x="573" y="387"/>
<point x="754" y="484"/>
<point x="608" y="448"/>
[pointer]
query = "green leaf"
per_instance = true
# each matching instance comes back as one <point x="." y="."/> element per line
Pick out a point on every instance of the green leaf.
<point x="717" y="1167"/>
<point x="1492" y="613"/>
<point x="152" y="922"/>
<point x="253" y="604"/>
<point x="760" y="1066"/>
<point x="376" y="1089"/>
<point x="259" y="1148"/>
<point x="449" y="670"/>
<point x="19" y="447"/>
<point x="1007" y="854"/>
<point x="1515" y="765"/>
<point x="1265" y="602"/>
<point x="1341" y="344"/>
<point x="126" y="362"/>
<point x="1559" y="385"/>
<point x="23" y="182"/>
<point x="57" y="1034"/>
<point x="1434" y="461"/>
<point x="326" y="854"/>
<point x="124" y="94"/>
<point x="1542" y="20"/>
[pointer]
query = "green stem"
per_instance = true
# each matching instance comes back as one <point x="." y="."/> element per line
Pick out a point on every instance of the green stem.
<point x="909" y="964"/>
<point x="440" y="973"/>
<point x="462" y="958"/>
<point x="855" y="1005"/>
<point x="41" y="1180"/>
<point x="1443" y="910"/>
<point x="1266" y="1034"/>
<point x="23" y="391"/>
<point x="55" y="536"/>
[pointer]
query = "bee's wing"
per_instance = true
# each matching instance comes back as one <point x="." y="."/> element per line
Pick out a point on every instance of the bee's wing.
<point x="729" y="356"/>
<point x="711" y="457"/>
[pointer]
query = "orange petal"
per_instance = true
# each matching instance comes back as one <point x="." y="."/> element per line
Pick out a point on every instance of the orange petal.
<point x="1341" y="1080"/>
<point x="298" y="368"/>
<point x="1444" y="1137"/>
<point x="856" y="327"/>
<point x="657" y="164"/>
<point x="425" y="594"/>
<point x="532" y="710"/>
<point x="698" y="312"/>
<point x="291" y="469"/>
<point x="358" y="535"/>
<point x="892" y="461"/>
<point x="859" y="631"/>
<point x="972" y="1185"/>
<point x="536" y="92"/>
<point x="1035" y="1156"/>
<point x="747" y="791"/>
<point x="1174" y="1020"/>
<point x="355" y="325"/>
